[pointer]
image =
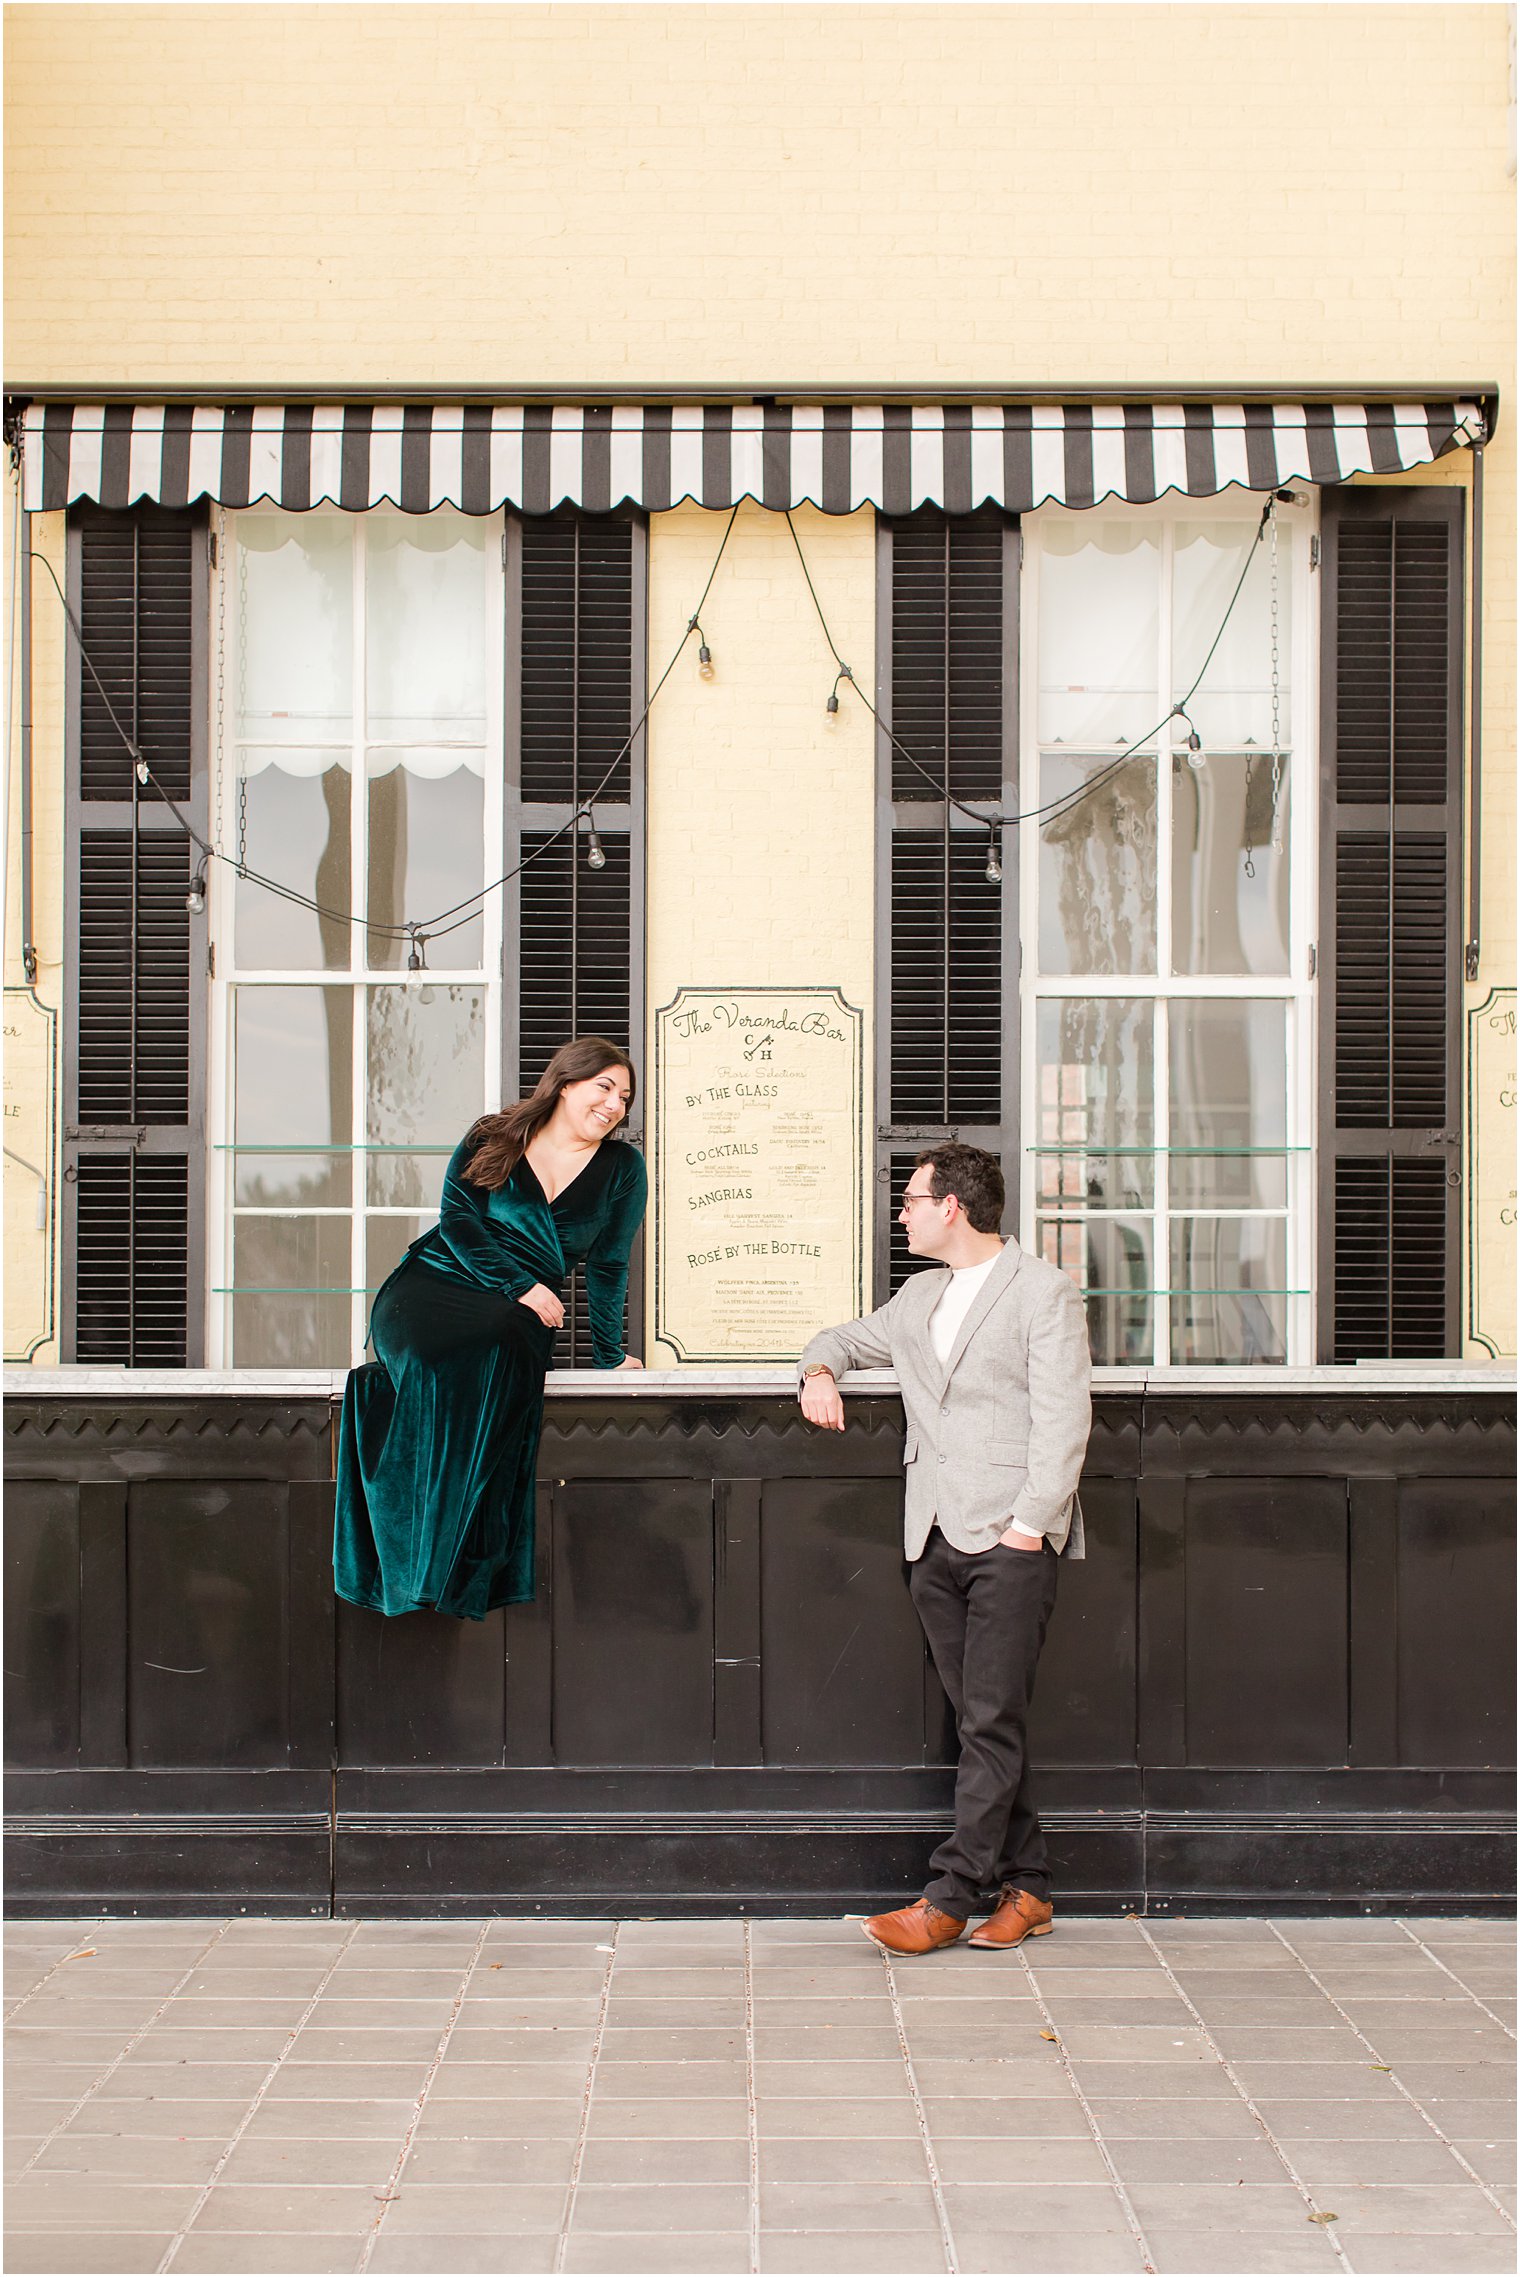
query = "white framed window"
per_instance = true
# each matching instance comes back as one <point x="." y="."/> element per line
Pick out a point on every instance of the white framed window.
<point x="357" y="676"/>
<point x="1167" y="977"/>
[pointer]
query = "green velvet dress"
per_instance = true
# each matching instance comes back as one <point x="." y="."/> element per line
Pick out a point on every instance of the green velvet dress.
<point x="439" y="1436"/>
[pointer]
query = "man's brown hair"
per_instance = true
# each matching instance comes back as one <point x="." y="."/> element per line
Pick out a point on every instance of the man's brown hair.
<point x="973" y="1176"/>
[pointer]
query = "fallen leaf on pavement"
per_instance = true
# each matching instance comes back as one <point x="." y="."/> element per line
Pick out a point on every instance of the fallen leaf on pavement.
<point x="1324" y="2218"/>
<point x="1048" y="2036"/>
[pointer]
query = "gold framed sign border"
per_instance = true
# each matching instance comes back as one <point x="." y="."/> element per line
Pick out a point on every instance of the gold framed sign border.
<point x="853" y="1012"/>
<point x="1476" y="1013"/>
<point x="48" y="1168"/>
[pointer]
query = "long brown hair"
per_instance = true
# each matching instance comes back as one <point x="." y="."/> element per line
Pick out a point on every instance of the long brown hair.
<point x="502" y="1140"/>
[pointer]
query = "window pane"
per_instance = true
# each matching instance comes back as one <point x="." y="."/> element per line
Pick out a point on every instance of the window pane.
<point x="1229" y="883"/>
<point x="426" y="840"/>
<point x="304" y="1321"/>
<point x="1099" y="629"/>
<point x="1229" y="1090"/>
<point x="385" y="1240"/>
<point x="293" y="600"/>
<point x="1098" y="869"/>
<point x="293" y="826"/>
<point x="425" y="636"/>
<point x="1110" y="1261"/>
<point x="293" y="1087"/>
<point x="1234" y="704"/>
<point x="1096" y="1082"/>
<point x="1234" y="1273"/>
<point x="426" y="1079"/>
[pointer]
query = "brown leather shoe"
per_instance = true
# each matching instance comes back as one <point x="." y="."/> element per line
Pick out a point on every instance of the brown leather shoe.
<point x="914" y="1929"/>
<point x="1018" y="1916"/>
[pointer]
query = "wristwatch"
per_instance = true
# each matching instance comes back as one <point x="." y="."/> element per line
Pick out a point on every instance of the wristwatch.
<point x="819" y="1368"/>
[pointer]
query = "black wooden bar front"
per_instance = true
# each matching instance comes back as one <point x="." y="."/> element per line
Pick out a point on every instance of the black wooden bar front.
<point x="1283" y="1678"/>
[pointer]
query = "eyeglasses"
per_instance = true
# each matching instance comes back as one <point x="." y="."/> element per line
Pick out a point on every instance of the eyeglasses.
<point x="910" y="1198"/>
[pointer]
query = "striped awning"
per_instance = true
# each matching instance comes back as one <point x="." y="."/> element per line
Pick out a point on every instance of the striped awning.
<point x="836" y="457"/>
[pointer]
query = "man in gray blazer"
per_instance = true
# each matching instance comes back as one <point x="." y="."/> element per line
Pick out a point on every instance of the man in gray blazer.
<point x="992" y="1362"/>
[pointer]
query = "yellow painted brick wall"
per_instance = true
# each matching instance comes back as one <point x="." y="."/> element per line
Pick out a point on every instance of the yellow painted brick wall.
<point x="272" y="197"/>
<point x="761" y="806"/>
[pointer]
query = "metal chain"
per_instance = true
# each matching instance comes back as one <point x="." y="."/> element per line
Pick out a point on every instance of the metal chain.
<point x="219" y="752"/>
<point x="1277" y="844"/>
<point x="242" y="710"/>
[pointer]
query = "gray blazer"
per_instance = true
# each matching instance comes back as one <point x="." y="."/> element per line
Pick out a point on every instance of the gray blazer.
<point x="999" y="1431"/>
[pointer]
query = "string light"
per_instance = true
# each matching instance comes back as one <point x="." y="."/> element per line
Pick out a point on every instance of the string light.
<point x="994" y="871"/>
<point x="195" y="899"/>
<point x="596" y="858"/>
<point x="704" y="658"/>
<point x="844" y="673"/>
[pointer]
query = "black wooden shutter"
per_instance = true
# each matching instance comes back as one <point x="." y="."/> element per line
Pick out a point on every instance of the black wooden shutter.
<point x="135" y="997"/>
<point x="947" y="1019"/>
<point x="1390" y="980"/>
<point x="575" y="936"/>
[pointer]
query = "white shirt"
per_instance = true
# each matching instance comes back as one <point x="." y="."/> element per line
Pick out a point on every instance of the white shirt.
<point x="966" y="1282"/>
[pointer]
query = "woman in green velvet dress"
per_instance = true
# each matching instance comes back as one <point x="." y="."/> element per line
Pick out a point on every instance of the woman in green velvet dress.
<point x="439" y="1436"/>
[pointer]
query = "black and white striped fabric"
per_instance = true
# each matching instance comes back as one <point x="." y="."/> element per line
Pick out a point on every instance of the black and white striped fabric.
<point x="836" y="457"/>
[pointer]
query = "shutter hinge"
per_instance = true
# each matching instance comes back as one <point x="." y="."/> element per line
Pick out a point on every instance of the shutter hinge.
<point x="1313" y="960"/>
<point x="121" y="1134"/>
<point x="503" y="549"/>
<point x="211" y="959"/>
<point x="1314" y="553"/>
<point x="213" y="549"/>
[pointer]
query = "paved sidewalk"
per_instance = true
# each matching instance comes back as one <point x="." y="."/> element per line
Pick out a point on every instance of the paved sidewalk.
<point x="714" y="2096"/>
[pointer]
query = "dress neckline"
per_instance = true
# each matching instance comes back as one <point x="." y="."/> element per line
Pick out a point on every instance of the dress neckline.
<point x="553" y="1200"/>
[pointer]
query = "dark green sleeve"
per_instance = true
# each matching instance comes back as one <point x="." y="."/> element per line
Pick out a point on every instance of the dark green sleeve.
<point x="606" y="1267"/>
<point x="469" y="1235"/>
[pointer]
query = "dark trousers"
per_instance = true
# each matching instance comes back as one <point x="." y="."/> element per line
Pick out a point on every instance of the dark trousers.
<point x="985" y="1617"/>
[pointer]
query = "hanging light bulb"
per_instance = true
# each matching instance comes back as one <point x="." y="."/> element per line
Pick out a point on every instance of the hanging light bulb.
<point x="195" y="899"/>
<point x="140" y="768"/>
<point x="832" y="706"/>
<point x="704" y="653"/>
<point x="994" y="864"/>
<point x="596" y="858"/>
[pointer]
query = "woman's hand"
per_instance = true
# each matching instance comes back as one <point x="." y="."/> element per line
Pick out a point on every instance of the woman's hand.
<point x="545" y="1303"/>
<point x="630" y="1362"/>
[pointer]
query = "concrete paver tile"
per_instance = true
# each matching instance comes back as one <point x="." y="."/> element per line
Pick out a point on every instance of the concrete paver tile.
<point x="208" y="2253"/>
<point x="876" y="2118"/>
<point x="554" y="2045"/>
<point x="1305" y="2082"/>
<point x="456" y="2254"/>
<point x="842" y="2080"/>
<point x="674" y="2158"/>
<point x="245" y="2044"/>
<point x="680" y="2078"/>
<point x="1410" y="2209"/>
<point x="1184" y="2080"/>
<point x="1044" y="2254"/>
<point x="1086" y="2010"/>
<point x="867" y="2251"/>
<point x="192" y="2116"/>
<point x="35" y="2043"/>
<point x="1013" y="2034"/>
<point x="342" y="2083"/>
<point x="1384" y="2118"/>
<point x="136" y="2158"/>
<point x="385" y="2119"/>
<point x="1241" y="2206"/>
<point x="1327" y="2042"/>
<point x="1493" y="2159"/>
<point x="325" y="2159"/>
<point x="1170" y="2044"/>
<point x="681" y="2043"/>
<point x="1381" y="2253"/>
<point x="620" y="2207"/>
<point x="973" y="2118"/>
<point x="83" y="2253"/>
<point x="1151" y="2118"/>
<point x="501" y="2119"/>
<point x="549" y="1929"/>
<point x="1454" y="2083"/>
<point x="663" y="2254"/>
<point x="1364" y="2163"/>
<point x="1007" y="2076"/>
<point x="434" y="2207"/>
<point x="457" y="2080"/>
<point x="1082" y="2208"/>
<point x="28" y="2083"/>
<point x="534" y="2159"/>
<point x="68" y="2202"/>
<point x="1235" y="2253"/>
<point x="335" y="2012"/>
<point x="20" y="2150"/>
<point x="677" y="1984"/>
<point x="1042" y="2158"/>
<point x="897" y="2207"/>
<point x="840" y="2159"/>
<point x="827" y="2043"/>
<point x="624" y="2119"/>
<point x="329" y="2209"/>
<point x="318" y="2044"/>
<point x="1139" y="2161"/>
<point x="1492" y="2117"/>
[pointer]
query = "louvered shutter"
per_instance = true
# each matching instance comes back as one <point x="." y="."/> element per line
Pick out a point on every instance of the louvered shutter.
<point x="1391" y="644"/>
<point x="576" y="589"/>
<point x="948" y="1020"/>
<point x="134" y="1109"/>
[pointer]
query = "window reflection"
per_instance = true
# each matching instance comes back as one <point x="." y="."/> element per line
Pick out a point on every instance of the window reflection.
<point x="1095" y="1103"/>
<point x="1230" y="864"/>
<point x="1234" y="1275"/>
<point x="293" y="826"/>
<point x="1098" y="631"/>
<point x="303" y="1263"/>
<point x="1229" y="1091"/>
<point x="293" y="1086"/>
<point x="426" y="1059"/>
<point x="426" y="833"/>
<point x="1110" y="1261"/>
<point x="1098" y="869"/>
<point x="1234" y="705"/>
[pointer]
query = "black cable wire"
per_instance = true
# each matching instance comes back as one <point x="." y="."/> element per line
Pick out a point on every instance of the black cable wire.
<point x="1068" y="800"/>
<point x="416" y="931"/>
